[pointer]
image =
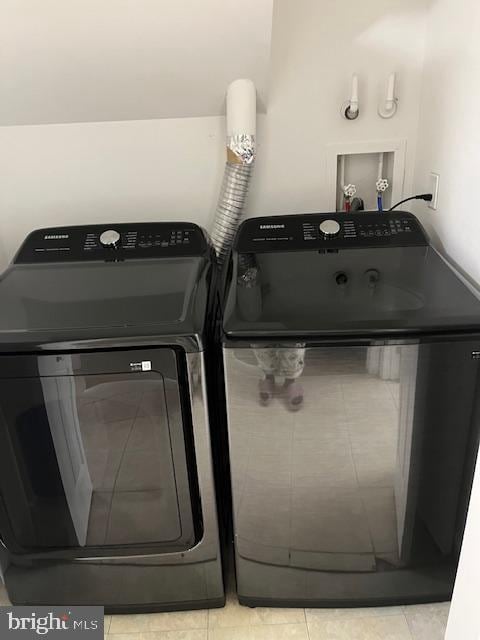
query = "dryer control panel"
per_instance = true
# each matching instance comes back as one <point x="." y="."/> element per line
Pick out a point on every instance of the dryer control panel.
<point x="329" y="231"/>
<point x="113" y="242"/>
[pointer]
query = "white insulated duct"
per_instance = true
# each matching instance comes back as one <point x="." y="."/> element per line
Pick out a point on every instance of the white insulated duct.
<point x="241" y="130"/>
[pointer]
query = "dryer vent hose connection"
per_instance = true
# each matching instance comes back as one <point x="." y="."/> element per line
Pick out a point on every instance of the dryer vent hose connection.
<point x="241" y="129"/>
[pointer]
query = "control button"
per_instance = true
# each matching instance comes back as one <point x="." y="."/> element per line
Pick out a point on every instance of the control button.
<point x="329" y="228"/>
<point x="110" y="238"/>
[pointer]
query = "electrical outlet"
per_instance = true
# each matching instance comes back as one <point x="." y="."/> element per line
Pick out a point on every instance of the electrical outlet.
<point x="433" y="181"/>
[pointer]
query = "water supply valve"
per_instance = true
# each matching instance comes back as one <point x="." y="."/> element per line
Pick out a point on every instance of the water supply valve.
<point x="349" y="190"/>
<point x="381" y="185"/>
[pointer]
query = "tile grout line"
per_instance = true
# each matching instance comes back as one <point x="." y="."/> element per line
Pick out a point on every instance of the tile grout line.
<point x="306" y="624"/>
<point x="208" y="614"/>
<point x="408" y="623"/>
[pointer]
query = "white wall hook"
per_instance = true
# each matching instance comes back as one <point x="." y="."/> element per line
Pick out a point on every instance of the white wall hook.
<point x="350" y="109"/>
<point x="388" y="108"/>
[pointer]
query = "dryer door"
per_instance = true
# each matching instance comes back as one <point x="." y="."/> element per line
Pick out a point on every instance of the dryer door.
<point x="96" y="452"/>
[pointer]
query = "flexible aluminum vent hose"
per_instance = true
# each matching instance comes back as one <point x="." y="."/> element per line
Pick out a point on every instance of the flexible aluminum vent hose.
<point x="241" y="129"/>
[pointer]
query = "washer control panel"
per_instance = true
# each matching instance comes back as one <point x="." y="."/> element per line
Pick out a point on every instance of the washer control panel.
<point x="115" y="242"/>
<point x="353" y="228"/>
<point x="330" y="232"/>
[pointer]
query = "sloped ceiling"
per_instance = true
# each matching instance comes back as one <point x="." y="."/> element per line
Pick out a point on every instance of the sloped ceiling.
<point x="95" y="60"/>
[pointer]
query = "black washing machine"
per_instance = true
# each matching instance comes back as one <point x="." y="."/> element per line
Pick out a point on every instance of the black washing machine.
<point x="107" y="493"/>
<point x="352" y="489"/>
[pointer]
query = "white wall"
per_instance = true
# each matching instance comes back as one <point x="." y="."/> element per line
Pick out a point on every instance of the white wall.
<point x="449" y="133"/>
<point x="464" y="618"/>
<point x="316" y="46"/>
<point x="449" y="144"/>
<point x="92" y="60"/>
<point x="107" y="172"/>
<point x="172" y="168"/>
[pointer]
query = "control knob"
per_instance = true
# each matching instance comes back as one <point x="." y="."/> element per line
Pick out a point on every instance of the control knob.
<point x="330" y="228"/>
<point x="110" y="239"/>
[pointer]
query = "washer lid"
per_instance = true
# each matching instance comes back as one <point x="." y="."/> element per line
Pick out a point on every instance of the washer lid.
<point x="297" y="285"/>
<point x="67" y="299"/>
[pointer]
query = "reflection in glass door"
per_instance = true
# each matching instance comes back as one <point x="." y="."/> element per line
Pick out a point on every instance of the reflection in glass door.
<point x="99" y="459"/>
<point x="348" y="484"/>
<point x="58" y="384"/>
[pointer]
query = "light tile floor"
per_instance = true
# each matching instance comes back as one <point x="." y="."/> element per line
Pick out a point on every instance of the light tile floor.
<point x="234" y="622"/>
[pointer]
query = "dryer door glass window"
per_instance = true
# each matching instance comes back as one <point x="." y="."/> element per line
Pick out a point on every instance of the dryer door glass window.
<point x="96" y="459"/>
